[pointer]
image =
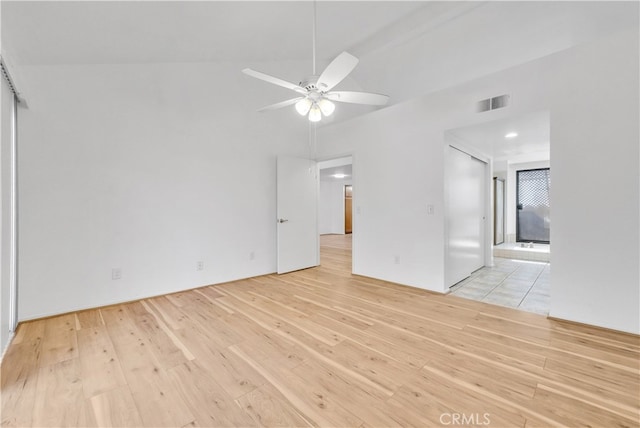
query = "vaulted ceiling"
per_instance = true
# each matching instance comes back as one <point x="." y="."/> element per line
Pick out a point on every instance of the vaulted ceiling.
<point x="103" y="32"/>
<point x="405" y="48"/>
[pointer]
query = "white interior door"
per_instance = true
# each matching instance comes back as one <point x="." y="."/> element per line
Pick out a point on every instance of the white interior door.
<point x="466" y="215"/>
<point x="297" y="195"/>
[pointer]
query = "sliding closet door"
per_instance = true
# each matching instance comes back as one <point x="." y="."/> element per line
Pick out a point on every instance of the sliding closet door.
<point x="465" y="215"/>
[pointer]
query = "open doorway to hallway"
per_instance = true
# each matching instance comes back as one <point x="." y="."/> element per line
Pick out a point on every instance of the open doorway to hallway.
<point x="336" y="252"/>
<point x="518" y="152"/>
<point x="335" y="216"/>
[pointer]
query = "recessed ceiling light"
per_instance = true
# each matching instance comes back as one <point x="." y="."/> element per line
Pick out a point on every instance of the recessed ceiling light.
<point x="511" y="135"/>
<point x="339" y="175"/>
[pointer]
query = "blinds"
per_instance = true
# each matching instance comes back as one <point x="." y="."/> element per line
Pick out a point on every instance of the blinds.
<point x="8" y="206"/>
<point x="10" y="81"/>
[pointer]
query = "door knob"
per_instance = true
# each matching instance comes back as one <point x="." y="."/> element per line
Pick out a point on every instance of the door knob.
<point x="282" y="220"/>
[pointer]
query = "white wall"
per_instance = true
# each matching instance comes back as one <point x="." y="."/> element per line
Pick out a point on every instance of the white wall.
<point x="146" y="168"/>
<point x="591" y="93"/>
<point x="595" y="166"/>
<point x="395" y="182"/>
<point x="331" y="206"/>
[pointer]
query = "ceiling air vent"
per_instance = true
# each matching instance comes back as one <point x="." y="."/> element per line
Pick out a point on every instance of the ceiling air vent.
<point x="493" y="103"/>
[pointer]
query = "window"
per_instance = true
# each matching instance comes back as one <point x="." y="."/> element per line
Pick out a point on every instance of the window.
<point x="533" y="222"/>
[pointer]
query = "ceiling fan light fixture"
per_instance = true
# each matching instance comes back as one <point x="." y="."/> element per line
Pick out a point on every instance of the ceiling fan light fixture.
<point x="315" y="113"/>
<point x="326" y="106"/>
<point x="303" y="106"/>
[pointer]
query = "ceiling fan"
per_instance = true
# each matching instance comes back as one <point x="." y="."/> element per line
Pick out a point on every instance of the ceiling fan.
<point x="315" y="92"/>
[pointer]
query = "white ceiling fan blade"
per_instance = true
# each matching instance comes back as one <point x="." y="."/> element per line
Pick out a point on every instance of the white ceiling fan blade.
<point x="274" y="80"/>
<point x="281" y="104"/>
<point x="358" y="97"/>
<point x="336" y="71"/>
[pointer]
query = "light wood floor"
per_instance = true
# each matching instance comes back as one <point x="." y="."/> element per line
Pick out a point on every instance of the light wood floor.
<point x="317" y="347"/>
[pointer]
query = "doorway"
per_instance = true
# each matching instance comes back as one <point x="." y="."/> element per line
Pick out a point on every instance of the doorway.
<point x="348" y="206"/>
<point x="335" y="210"/>
<point x="517" y="273"/>
<point x="336" y="191"/>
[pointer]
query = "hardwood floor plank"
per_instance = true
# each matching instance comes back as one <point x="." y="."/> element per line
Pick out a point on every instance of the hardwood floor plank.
<point x="169" y="334"/>
<point x="115" y="408"/>
<point x="323" y="354"/>
<point x="435" y="393"/>
<point x="231" y="373"/>
<point x="569" y="411"/>
<point x="99" y="365"/>
<point x="363" y="402"/>
<point x="267" y="407"/>
<point x="308" y="401"/>
<point x="60" y="341"/>
<point x="409" y="356"/>
<point x="516" y="387"/>
<point x="314" y="402"/>
<point x="59" y="399"/>
<point x="153" y="391"/>
<point x="19" y="377"/>
<point x="373" y="365"/>
<point x="29" y="331"/>
<point x="484" y="400"/>
<point x="207" y="400"/>
<point x="171" y="315"/>
<point x="593" y="373"/>
<point x="271" y="346"/>
<point x="259" y="317"/>
<point x="88" y="319"/>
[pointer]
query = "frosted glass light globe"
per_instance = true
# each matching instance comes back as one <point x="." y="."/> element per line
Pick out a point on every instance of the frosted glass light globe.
<point x="303" y="106"/>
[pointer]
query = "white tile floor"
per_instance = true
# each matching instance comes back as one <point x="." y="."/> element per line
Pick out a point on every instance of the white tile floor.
<point x="513" y="283"/>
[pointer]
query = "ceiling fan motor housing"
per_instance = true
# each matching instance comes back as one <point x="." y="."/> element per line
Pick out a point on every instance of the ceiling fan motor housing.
<point x="309" y="83"/>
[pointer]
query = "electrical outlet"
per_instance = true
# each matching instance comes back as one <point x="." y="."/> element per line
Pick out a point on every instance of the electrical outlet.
<point x="116" y="273"/>
<point x="200" y="265"/>
<point x="430" y="209"/>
